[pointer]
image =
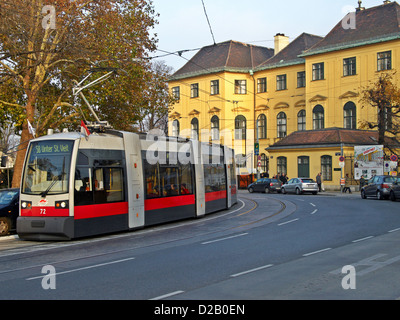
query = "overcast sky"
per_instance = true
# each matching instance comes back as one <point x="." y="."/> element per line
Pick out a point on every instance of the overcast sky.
<point x="183" y="24"/>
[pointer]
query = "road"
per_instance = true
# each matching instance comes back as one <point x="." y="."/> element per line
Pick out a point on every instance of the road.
<point x="267" y="247"/>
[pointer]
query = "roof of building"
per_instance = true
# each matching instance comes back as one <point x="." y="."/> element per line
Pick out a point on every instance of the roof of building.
<point x="226" y="56"/>
<point x="330" y="137"/>
<point x="367" y="26"/>
<point x="290" y="54"/>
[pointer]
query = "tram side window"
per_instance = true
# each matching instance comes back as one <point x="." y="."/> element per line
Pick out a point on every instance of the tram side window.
<point x="214" y="176"/>
<point x="108" y="185"/>
<point x="168" y="181"/>
<point x="83" y="187"/>
<point x="152" y="180"/>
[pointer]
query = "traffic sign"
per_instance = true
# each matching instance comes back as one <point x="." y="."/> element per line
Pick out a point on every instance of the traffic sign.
<point x="342" y="159"/>
<point x="393" y="158"/>
<point x="257" y="149"/>
<point x="341" y="164"/>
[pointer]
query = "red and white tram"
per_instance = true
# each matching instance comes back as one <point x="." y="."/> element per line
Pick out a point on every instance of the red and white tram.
<point x="76" y="186"/>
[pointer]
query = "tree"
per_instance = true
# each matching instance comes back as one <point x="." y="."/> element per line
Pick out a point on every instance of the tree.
<point x="384" y="95"/>
<point x="45" y="45"/>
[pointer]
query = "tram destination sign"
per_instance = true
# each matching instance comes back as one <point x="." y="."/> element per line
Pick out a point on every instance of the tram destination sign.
<point x="52" y="147"/>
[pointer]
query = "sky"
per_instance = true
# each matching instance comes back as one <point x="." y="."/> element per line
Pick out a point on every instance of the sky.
<point x="182" y="24"/>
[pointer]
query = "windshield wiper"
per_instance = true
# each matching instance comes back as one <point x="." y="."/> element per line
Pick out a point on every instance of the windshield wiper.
<point x="44" y="193"/>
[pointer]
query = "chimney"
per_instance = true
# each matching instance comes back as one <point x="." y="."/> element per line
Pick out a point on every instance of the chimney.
<point x="281" y="41"/>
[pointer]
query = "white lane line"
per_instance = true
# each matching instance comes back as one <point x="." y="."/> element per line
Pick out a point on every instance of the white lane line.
<point x="313" y="204"/>
<point x="84" y="268"/>
<point x="168" y="295"/>
<point x="250" y="271"/>
<point x="315" y="211"/>
<point x="363" y="239"/>
<point x="394" y="230"/>
<point x="316" y="252"/>
<point x="291" y="221"/>
<point x="227" y="238"/>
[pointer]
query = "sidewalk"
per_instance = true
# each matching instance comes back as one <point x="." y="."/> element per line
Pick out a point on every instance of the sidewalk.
<point x="341" y="194"/>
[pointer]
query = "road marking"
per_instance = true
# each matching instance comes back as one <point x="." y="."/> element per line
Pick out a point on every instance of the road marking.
<point x="250" y="271"/>
<point x="291" y="221"/>
<point x="363" y="239"/>
<point x="315" y="211"/>
<point x="394" y="230"/>
<point x="316" y="252"/>
<point x="313" y="204"/>
<point x="227" y="238"/>
<point x="84" y="268"/>
<point x="168" y="295"/>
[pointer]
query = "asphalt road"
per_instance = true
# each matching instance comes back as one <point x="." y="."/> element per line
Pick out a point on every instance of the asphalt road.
<point x="266" y="247"/>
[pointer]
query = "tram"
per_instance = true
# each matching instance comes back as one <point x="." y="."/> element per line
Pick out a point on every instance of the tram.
<point x="76" y="185"/>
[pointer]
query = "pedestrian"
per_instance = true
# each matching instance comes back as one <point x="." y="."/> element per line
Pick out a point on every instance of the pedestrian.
<point x="283" y="178"/>
<point x="318" y="179"/>
<point x="346" y="184"/>
<point x="362" y="182"/>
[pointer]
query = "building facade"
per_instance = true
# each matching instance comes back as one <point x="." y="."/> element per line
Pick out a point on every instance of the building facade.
<point x="240" y="95"/>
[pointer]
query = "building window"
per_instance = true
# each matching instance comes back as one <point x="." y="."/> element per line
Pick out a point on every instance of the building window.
<point x="318" y="117"/>
<point x="281" y="165"/>
<point x="326" y="168"/>
<point x="301" y="120"/>
<point x="349" y="67"/>
<point x="350" y="115"/>
<point x="303" y="167"/>
<point x="262" y="127"/>
<point x="175" y="128"/>
<point x="176" y="93"/>
<point x="318" y="71"/>
<point x="240" y="128"/>
<point x="282" y="125"/>
<point x="214" y="87"/>
<point x="281" y="82"/>
<point x="261" y="85"/>
<point x="194" y="90"/>
<point x="385" y="60"/>
<point x="264" y="163"/>
<point x="301" y="79"/>
<point x="195" y="128"/>
<point x="215" y="128"/>
<point x="240" y="86"/>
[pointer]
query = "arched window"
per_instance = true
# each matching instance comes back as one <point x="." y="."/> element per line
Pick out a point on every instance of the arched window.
<point x="282" y="125"/>
<point x="264" y="163"/>
<point x="175" y="128"/>
<point x="350" y="115"/>
<point x="318" y="117"/>
<point x="262" y="126"/>
<point x="195" y="128"/>
<point x="215" y="128"/>
<point x="240" y="128"/>
<point x="301" y="120"/>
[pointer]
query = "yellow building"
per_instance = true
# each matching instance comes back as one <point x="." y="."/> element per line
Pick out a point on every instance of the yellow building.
<point x="306" y="86"/>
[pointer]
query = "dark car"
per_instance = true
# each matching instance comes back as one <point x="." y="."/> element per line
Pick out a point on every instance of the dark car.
<point x="266" y="185"/>
<point x="378" y="187"/>
<point x="9" y="210"/>
<point x="394" y="192"/>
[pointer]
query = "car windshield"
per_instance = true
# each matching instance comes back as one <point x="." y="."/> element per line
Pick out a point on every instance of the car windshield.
<point x="7" y="196"/>
<point x="390" y="179"/>
<point x="307" y="180"/>
<point x="47" y="167"/>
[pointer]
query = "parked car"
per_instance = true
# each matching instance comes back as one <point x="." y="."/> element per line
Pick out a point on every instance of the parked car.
<point x="9" y="210"/>
<point x="266" y="185"/>
<point x="395" y="190"/>
<point x="379" y="187"/>
<point x="300" y="185"/>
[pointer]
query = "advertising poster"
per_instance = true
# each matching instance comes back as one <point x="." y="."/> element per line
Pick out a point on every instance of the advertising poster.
<point x="368" y="161"/>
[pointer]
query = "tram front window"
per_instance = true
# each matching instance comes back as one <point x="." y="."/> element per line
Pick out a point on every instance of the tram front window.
<point x="47" y="167"/>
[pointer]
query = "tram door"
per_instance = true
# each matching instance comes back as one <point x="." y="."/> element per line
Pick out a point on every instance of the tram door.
<point x="135" y="184"/>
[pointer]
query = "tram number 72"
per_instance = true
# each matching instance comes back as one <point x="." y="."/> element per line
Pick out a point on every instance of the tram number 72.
<point x="42" y="212"/>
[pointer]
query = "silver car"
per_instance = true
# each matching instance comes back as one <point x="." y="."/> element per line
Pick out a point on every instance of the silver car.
<point x="300" y="185"/>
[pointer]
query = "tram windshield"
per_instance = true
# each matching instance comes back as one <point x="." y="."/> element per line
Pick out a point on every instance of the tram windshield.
<point x="47" y="167"/>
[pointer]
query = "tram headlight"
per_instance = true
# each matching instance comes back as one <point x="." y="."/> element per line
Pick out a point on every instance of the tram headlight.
<point x="62" y="204"/>
<point x="26" y="205"/>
